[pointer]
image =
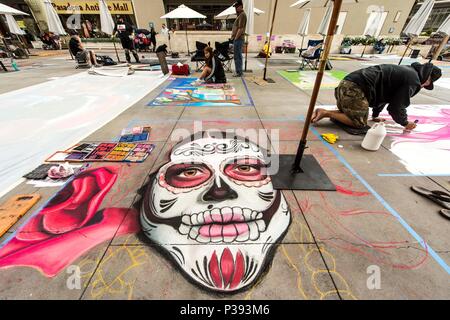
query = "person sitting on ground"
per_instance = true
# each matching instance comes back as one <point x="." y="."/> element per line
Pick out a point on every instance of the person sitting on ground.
<point x="213" y="72"/>
<point x="265" y="51"/>
<point x="77" y="48"/>
<point x="378" y="86"/>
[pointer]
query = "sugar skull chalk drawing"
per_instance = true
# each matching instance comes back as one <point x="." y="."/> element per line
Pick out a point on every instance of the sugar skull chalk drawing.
<point x="214" y="210"/>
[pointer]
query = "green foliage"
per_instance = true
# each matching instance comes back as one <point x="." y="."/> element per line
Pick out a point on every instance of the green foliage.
<point x="346" y="42"/>
<point x="393" y="41"/>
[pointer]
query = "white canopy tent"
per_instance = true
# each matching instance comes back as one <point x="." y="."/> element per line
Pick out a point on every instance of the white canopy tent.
<point x="184" y="12"/>
<point x="53" y="21"/>
<point x="230" y="13"/>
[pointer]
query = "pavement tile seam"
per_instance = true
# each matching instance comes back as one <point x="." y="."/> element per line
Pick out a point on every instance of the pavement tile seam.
<point x="320" y="250"/>
<point x="388" y="207"/>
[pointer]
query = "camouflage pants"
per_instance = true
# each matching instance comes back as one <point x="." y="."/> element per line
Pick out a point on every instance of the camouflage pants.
<point x="352" y="101"/>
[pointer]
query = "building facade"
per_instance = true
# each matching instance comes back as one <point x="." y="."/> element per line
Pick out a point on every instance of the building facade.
<point x="146" y="13"/>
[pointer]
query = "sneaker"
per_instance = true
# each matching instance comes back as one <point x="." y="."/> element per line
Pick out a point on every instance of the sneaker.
<point x="237" y="75"/>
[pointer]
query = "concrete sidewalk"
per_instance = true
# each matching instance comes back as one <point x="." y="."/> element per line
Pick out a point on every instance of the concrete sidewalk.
<point x="335" y="245"/>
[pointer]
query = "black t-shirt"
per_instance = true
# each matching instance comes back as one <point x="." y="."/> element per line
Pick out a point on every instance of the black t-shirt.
<point x="74" y="46"/>
<point x="124" y="30"/>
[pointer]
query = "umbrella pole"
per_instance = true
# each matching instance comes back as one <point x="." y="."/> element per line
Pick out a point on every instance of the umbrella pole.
<point x="303" y="40"/>
<point x="319" y="77"/>
<point x="246" y="52"/>
<point x="187" y="41"/>
<point x="115" y="49"/>
<point x="404" y="53"/>
<point x="364" y="50"/>
<point x="270" y="38"/>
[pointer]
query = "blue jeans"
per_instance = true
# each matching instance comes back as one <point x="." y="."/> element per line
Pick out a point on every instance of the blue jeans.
<point x="238" y="45"/>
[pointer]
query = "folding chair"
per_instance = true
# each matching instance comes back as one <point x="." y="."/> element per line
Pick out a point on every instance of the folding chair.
<point x="199" y="56"/>
<point x="225" y="55"/>
<point x="312" y="60"/>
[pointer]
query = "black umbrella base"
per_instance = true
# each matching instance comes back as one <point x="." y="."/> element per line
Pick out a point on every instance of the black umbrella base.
<point x="312" y="177"/>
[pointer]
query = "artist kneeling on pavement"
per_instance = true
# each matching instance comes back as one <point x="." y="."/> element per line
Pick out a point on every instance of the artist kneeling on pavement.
<point x="213" y="72"/>
<point x="376" y="87"/>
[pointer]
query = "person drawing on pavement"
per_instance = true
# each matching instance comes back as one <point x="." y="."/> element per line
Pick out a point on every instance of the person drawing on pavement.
<point x="213" y="72"/>
<point x="378" y="86"/>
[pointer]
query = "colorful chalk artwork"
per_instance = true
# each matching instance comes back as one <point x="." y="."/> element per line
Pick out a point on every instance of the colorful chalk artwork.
<point x="107" y="151"/>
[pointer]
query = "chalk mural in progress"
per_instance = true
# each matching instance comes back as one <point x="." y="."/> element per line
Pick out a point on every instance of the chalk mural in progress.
<point x="426" y="150"/>
<point x="214" y="210"/>
<point x="182" y="92"/>
<point x="70" y="225"/>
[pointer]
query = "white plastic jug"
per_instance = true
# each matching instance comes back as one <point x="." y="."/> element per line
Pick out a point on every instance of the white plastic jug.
<point x="374" y="137"/>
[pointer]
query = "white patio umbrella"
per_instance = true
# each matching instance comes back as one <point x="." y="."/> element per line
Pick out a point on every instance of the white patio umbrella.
<point x="372" y="26"/>
<point x="373" y="23"/>
<point x="249" y="6"/>
<point x="230" y="13"/>
<point x="107" y="23"/>
<point x="184" y="12"/>
<point x="12" y="25"/>
<point x="444" y="30"/>
<point x="4" y="9"/>
<point x="106" y="20"/>
<point x="53" y="21"/>
<point x="323" y="27"/>
<point x="304" y="25"/>
<point x="417" y="23"/>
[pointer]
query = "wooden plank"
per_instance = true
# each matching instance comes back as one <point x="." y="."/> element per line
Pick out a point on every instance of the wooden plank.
<point x="14" y="209"/>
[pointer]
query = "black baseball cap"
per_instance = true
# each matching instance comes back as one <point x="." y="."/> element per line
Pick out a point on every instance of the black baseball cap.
<point x="426" y="71"/>
<point x="238" y="3"/>
<point x="436" y="74"/>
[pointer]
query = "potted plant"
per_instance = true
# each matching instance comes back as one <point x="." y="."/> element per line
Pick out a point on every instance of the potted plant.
<point x="346" y="46"/>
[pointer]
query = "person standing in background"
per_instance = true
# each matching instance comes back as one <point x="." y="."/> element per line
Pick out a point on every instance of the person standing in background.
<point x="153" y="34"/>
<point x="125" y="33"/>
<point x="237" y="36"/>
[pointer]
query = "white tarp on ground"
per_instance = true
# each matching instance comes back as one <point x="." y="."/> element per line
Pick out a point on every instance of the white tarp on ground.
<point x="39" y="120"/>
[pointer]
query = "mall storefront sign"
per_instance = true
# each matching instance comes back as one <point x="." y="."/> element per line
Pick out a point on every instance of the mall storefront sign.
<point x="91" y="6"/>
